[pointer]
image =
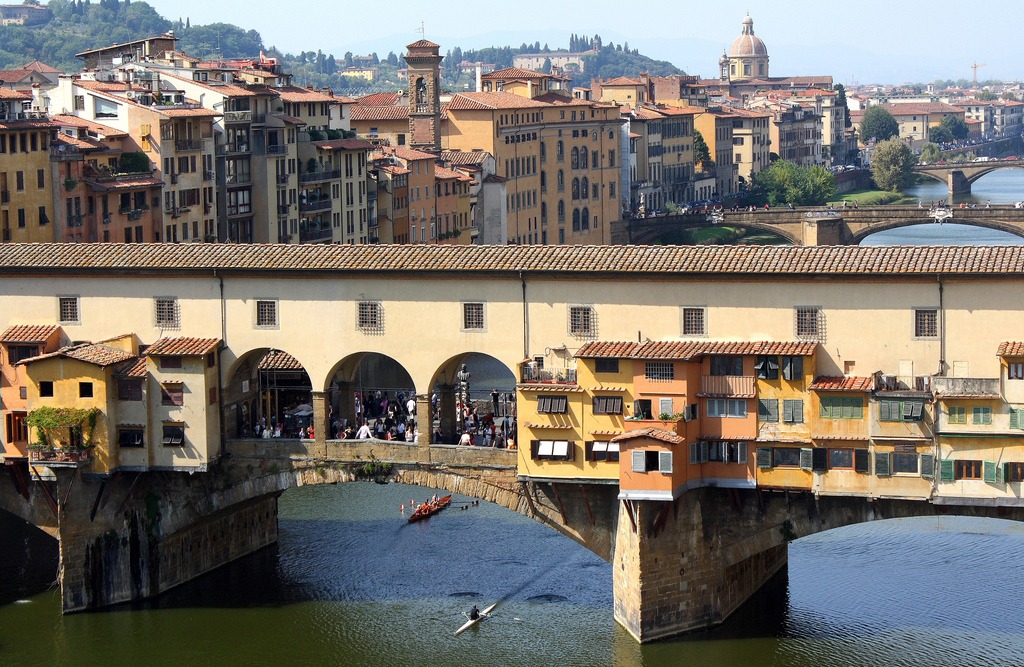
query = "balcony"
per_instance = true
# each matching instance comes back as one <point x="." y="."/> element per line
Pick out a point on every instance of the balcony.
<point x="53" y="457"/>
<point x="259" y="118"/>
<point x="317" y="176"/>
<point x="276" y="149"/>
<point x="75" y="220"/>
<point x="238" y="116"/>
<point x="322" y="204"/>
<point x="282" y="179"/>
<point x="533" y="375"/>
<point x="238" y="179"/>
<point x="738" y="386"/>
<point x="239" y="211"/>
<point x="282" y="209"/>
<point x="64" y="153"/>
<point x="209" y="175"/>
<point x="966" y="387"/>
<point x="315" y="235"/>
<point x="233" y="149"/>
<point x="188" y="145"/>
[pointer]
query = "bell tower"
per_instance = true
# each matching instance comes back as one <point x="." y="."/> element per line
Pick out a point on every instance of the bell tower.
<point x="424" y="66"/>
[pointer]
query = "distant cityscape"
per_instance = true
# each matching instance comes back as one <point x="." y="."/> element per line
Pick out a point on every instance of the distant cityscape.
<point x="150" y="144"/>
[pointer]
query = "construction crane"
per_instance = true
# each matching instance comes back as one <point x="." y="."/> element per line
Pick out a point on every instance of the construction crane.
<point x="975" y="67"/>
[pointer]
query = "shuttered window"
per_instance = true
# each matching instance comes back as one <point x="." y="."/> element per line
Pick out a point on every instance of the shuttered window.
<point x="767" y="367"/>
<point x="607" y="405"/>
<point x="768" y="410"/>
<point x="793" y="368"/>
<point x="904" y="463"/>
<point x="764" y="457"/>
<point x="793" y="411"/>
<point x="552" y="404"/>
<point x="557" y="450"/>
<point x="928" y="466"/>
<point x="786" y="457"/>
<point x="883" y="464"/>
<point x="1017" y="418"/>
<point x="806" y="459"/>
<point x="946" y="470"/>
<point x="897" y="411"/>
<point x="981" y="414"/>
<point x="842" y="407"/>
<point x="665" y="462"/>
<point x="860" y="460"/>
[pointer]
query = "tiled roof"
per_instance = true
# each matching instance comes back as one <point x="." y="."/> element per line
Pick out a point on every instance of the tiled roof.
<point x="344" y="145"/>
<point x="1011" y="349"/>
<point x="182" y="347"/>
<point x="840" y="383"/>
<point x="297" y="94"/>
<point x="8" y="94"/>
<point x="455" y="157"/>
<point x="91" y="353"/>
<point x="920" y="108"/>
<point x="28" y="333"/>
<point x="686" y="349"/>
<point x="795" y="349"/>
<point x="289" y="120"/>
<point x="599" y="350"/>
<point x="125" y="184"/>
<point x="653" y="433"/>
<point x="379" y="113"/>
<point x="228" y="89"/>
<point x="621" y="81"/>
<point x="89" y="145"/>
<point x="513" y="73"/>
<point x="761" y="261"/>
<point x="378" y="100"/>
<point x="422" y="44"/>
<point x="490" y="101"/>
<point x="276" y="360"/>
<point x="89" y="125"/>
<point x="185" y="112"/>
<point x="133" y="369"/>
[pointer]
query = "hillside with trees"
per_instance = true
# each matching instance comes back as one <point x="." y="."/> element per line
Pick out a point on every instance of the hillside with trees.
<point x="80" y="25"/>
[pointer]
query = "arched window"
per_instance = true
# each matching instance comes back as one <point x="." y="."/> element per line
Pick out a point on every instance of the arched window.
<point x="560" y="155"/>
<point x="561" y="211"/>
<point x="574" y="161"/>
<point x="543" y="152"/>
<point x="543" y="212"/>
<point x="575" y="189"/>
<point x="585" y="218"/>
<point x="583" y="159"/>
<point x="561" y="181"/>
<point x="575" y="220"/>
<point x="584" y="188"/>
<point x="543" y="181"/>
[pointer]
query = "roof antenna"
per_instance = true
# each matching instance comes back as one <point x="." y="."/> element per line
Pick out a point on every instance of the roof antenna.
<point x="638" y="337"/>
<point x="422" y="31"/>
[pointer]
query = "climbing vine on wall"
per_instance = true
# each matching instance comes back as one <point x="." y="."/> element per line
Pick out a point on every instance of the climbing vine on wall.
<point x="54" y="424"/>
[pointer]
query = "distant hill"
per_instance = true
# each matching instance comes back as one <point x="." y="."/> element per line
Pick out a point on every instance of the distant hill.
<point x="80" y="25"/>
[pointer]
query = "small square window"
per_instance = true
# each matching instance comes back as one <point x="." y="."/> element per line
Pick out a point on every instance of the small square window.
<point x="606" y="365"/>
<point x="129" y="389"/>
<point x="171" y="394"/>
<point x="607" y="405"/>
<point x="1015" y="370"/>
<point x="981" y="414"/>
<point x="85" y="390"/>
<point x="473" y="317"/>
<point x="694" y="321"/>
<point x="46" y="389"/>
<point x="370" y="317"/>
<point x="926" y="323"/>
<point x="582" y="322"/>
<point x="266" y="313"/>
<point x="170" y="362"/>
<point x="68" y="307"/>
<point x="809" y="322"/>
<point x="956" y="414"/>
<point x="552" y="404"/>
<point x="166" y="312"/>
<point x="173" y="435"/>
<point x="659" y="371"/>
<point x="131" y="437"/>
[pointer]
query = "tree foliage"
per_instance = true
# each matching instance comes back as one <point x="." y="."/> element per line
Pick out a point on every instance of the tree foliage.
<point x="930" y="153"/>
<point x="701" y="153"/>
<point x="789" y="183"/>
<point x="892" y="165"/>
<point x="956" y="126"/>
<point x="841" y="101"/>
<point x="878" y="124"/>
<point x="940" y="135"/>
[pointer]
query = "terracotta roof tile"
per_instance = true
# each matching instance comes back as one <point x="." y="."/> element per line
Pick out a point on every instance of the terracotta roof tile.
<point x="28" y="333"/>
<point x="182" y="347"/>
<point x="486" y="101"/>
<point x="599" y="350"/>
<point x="1011" y="349"/>
<point x="133" y="369"/>
<point x="276" y="360"/>
<point x="841" y="383"/>
<point x="91" y="353"/>
<point x="297" y="94"/>
<point x="89" y="125"/>
<point x="654" y="433"/>
<point x="379" y="113"/>
<point x="689" y="349"/>
<point x="344" y="145"/>
<point x="514" y="73"/>
<point x="378" y="100"/>
<point x="455" y="157"/>
<point x="882" y="262"/>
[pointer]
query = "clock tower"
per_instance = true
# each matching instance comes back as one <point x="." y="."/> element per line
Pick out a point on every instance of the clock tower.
<point x="424" y="67"/>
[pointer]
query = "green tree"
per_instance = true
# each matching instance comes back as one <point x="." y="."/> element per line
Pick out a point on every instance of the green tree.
<point x="700" y="149"/>
<point x="930" y="153"/>
<point x="940" y="135"/>
<point x="892" y="165"/>
<point x="841" y="101"/>
<point x="878" y="124"/>
<point x="789" y="183"/>
<point x="986" y="96"/>
<point x="956" y="126"/>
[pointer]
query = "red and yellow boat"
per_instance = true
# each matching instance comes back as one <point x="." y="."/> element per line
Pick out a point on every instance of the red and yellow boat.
<point x="430" y="509"/>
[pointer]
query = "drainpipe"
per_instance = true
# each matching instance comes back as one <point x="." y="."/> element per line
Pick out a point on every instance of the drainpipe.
<point x="942" y="328"/>
<point x="220" y="366"/>
<point x="526" y="318"/>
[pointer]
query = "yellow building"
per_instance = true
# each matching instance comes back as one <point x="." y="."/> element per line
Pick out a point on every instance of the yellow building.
<point x="716" y="126"/>
<point x="26" y="184"/>
<point x="20" y="343"/>
<point x="334" y="201"/>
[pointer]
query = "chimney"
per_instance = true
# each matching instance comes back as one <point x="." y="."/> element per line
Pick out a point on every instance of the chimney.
<point x="479" y="84"/>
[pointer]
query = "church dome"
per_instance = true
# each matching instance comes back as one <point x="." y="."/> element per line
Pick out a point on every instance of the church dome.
<point x="748" y="44"/>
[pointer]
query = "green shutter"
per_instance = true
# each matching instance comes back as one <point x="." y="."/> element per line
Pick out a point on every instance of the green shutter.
<point x="798" y="411"/>
<point x="860" y="460"/>
<point x="883" y="467"/>
<point x="773" y="410"/>
<point x="946" y="470"/>
<point x="787" y="411"/>
<point x="806" y="458"/>
<point x="989" y="474"/>
<point x="847" y="411"/>
<point x="1001" y="474"/>
<point x="858" y="408"/>
<point x="928" y="466"/>
<point x="883" y="411"/>
<point x="764" y="457"/>
<point x="826" y="407"/>
<point x="917" y="410"/>
<point x="1016" y="418"/>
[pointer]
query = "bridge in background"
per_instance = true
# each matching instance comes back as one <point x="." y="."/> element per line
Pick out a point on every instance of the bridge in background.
<point x="959" y="176"/>
<point x="817" y="225"/>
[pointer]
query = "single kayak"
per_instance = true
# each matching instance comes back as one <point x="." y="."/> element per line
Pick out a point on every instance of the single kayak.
<point x="430" y="509"/>
<point x="473" y="621"/>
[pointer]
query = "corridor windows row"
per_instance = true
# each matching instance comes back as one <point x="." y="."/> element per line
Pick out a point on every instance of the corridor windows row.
<point x="718" y="452"/>
<point x="369" y="315"/>
<point x="792" y="410"/>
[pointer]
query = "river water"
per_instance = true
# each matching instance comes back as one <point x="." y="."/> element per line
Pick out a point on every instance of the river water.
<point x="351" y="583"/>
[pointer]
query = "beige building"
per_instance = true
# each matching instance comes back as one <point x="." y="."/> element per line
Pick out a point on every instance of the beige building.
<point x="716" y="126"/>
<point x="26" y="184"/>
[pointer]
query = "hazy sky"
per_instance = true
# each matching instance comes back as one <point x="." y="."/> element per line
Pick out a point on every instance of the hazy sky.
<point x="887" y="41"/>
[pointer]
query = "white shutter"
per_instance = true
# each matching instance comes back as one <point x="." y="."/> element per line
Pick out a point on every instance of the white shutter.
<point x="694" y="452"/>
<point x="665" y="462"/>
<point x="665" y="406"/>
<point x="639" y="460"/>
<point x="703" y="451"/>
<point x="741" y="452"/>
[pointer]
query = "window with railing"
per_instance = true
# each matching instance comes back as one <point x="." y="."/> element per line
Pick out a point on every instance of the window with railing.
<point x="166" y="312"/>
<point x="370" y="317"/>
<point x="659" y="371"/>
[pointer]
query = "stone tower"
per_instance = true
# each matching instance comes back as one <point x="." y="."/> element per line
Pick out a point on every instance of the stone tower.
<point x="424" y="64"/>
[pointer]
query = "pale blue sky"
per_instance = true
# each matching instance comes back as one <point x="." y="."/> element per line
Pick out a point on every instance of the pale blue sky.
<point x="888" y="41"/>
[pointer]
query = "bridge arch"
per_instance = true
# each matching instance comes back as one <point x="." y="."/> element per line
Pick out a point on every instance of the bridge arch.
<point x="861" y="234"/>
<point x="487" y="374"/>
<point x="655" y="231"/>
<point x="367" y="385"/>
<point x="266" y="387"/>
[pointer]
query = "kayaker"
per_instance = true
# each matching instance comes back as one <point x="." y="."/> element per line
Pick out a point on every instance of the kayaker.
<point x="474" y="613"/>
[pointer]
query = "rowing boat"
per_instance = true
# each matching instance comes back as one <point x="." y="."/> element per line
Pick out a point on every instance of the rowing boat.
<point x="430" y="509"/>
<point x="486" y="613"/>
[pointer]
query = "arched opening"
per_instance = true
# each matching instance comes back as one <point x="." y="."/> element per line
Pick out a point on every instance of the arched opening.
<point x="30" y="556"/>
<point x="930" y="233"/>
<point x="473" y="401"/>
<point x="268" y="395"/>
<point x="372" y="389"/>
